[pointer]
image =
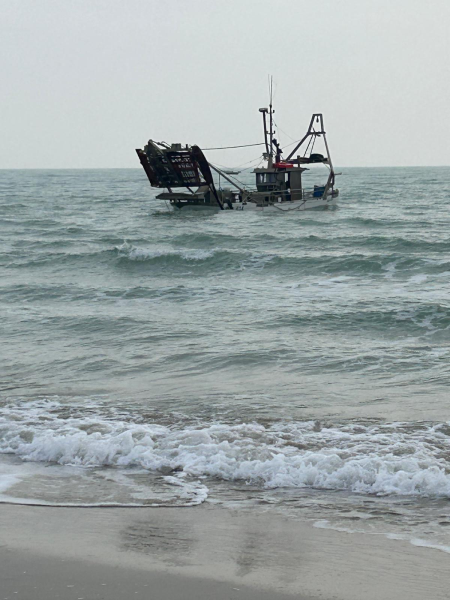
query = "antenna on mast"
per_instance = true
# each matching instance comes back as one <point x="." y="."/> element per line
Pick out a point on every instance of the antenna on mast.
<point x="271" y="118"/>
<point x="268" y="135"/>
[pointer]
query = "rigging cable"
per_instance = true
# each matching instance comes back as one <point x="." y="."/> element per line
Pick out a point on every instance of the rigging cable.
<point x="228" y="147"/>
<point x="291" y="144"/>
<point x="243" y="185"/>
<point x="307" y="147"/>
<point x="282" y="131"/>
<point x="239" y="166"/>
<point x="312" y="147"/>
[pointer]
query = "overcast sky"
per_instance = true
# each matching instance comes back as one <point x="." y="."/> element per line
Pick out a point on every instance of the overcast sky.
<point x="85" y="82"/>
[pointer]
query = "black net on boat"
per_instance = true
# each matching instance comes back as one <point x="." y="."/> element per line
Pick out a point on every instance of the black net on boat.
<point x="169" y="167"/>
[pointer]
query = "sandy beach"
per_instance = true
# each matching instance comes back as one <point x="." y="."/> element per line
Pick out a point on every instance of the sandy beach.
<point x="204" y="552"/>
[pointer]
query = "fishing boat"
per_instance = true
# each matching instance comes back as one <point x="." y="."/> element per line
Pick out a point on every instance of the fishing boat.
<point x="279" y="182"/>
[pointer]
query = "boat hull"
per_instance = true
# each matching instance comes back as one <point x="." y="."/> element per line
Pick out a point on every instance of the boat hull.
<point x="299" y="205"/>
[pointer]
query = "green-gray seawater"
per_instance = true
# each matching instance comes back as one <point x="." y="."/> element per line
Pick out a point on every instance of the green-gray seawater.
<point x="299" y="361"/>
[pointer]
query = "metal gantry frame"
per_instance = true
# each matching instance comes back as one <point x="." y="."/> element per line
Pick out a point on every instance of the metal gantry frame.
<point x="312" y="133"/>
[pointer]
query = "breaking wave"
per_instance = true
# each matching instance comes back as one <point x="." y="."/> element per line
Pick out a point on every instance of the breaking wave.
<point x="290" y="261"/>
<point x="296" y="259"/>
<point x="398" y="458"/>
<point x="143" y="254"/>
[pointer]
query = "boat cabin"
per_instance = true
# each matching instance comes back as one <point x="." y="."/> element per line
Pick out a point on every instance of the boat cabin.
<point x="285" y="180"/>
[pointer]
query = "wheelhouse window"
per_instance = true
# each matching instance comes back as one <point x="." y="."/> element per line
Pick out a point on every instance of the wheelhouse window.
<point x="266" y="178"/>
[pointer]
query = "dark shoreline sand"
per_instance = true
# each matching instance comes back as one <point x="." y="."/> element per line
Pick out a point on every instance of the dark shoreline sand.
<point x="203" y="553"/>
<point x="30" y="576"/>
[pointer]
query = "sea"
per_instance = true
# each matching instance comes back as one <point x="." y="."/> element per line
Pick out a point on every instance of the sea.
<point x="296" y="363"/>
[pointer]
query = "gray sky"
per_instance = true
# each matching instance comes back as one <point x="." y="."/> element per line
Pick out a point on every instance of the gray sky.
<point x="85" y="82"/>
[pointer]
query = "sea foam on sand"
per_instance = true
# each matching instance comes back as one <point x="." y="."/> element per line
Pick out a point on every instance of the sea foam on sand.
<point x="381" y="459"/>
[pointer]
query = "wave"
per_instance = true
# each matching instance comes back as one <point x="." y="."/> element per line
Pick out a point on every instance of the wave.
<point x="143" y="254"/>
<point x="392" y="243"/>
<point x="31" y="259"/>
<point x="417" y="244"/>
<point x="73" y="293"/>
<point x="385" y="264"/>
<point x="399" y="458"/>
<point x="407" y="318"/>
<point x="295" y="259"/>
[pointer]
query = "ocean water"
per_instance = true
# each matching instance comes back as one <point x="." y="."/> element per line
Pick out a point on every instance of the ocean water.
<point x="288" y="362"/>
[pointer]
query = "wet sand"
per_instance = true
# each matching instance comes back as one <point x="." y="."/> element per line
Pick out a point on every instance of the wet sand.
<point x="29" y="576"/>
<point x="203" y="553"/>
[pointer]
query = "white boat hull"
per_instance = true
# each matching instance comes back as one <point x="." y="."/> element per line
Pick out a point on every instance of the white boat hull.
<point x="309" y="204"/>
<point x="298" y="205"/>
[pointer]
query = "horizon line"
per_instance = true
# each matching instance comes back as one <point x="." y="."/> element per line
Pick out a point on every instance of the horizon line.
<point x="138" y="168"/>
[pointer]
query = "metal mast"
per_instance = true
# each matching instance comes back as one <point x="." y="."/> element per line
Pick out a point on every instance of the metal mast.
<point x="268" y="135"/>
<point x="271" y="122"/>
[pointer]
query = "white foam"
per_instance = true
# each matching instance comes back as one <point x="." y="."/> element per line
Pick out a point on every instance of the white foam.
<point x="195" y="493"/>
<point x="416" y="279"/>
<point x="390" y="269"/>
<point x="7" y="480"/>
<point x="425" y="544"/>
<point x="389" y="459"/>
<point x="141" y="254"/>
<point x="325" y="524"/>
